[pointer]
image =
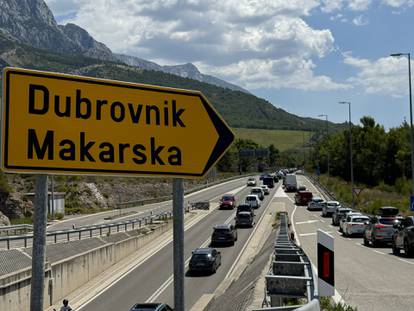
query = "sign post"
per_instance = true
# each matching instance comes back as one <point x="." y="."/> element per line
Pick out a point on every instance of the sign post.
<point x="39" y="243"/>
<point x="326" y="264"/>
<point x="55" y="123"/>
<point x="178" y="243"/>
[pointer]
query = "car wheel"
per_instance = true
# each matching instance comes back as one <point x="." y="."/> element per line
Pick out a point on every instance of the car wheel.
<point x="395" y="249"/>
<point x="375" y="243"/>
<point x="214" y="269"/>
<point x="366" y="242"/>
<point x="407" y="249"/>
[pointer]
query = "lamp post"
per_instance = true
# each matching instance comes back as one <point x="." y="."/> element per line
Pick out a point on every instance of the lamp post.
<point x="411" y="115"/>
<point x="350" y="152"/>
<point x="327" y="134"/>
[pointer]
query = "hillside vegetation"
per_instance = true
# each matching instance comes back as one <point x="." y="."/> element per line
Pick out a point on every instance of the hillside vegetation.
<point x="239" y="109"/>
<point x="281" y="139"/>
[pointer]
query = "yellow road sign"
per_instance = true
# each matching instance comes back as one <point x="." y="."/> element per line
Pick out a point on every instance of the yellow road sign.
<point x="57" y="123"/>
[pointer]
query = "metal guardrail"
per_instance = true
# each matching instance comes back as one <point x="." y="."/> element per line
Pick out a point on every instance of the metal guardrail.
<point x="169" y="197"/>
<point x="290" y="275"/>
<point x="15" y="228"/>
<point x="94" y="230"/>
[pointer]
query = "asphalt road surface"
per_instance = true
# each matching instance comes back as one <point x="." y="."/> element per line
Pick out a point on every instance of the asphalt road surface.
<point x="152" y="281"/>
<point x="366" y="277"/>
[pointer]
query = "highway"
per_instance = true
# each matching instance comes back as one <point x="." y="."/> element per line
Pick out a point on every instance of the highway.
<point x="99" y="218"/>
<point x="366" y="277"/>
<point x="152" y="281"/>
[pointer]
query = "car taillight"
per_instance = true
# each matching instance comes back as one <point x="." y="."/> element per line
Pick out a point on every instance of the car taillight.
<point x="379" y="226"/>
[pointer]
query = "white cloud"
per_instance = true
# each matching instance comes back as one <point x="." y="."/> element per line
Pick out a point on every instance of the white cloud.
<point x="287" y="72"/>
<point x="221" y="36"/>
<point x="359" y="5"/>
<point x="399" y="3"/>
<point x="387" y="75"/>
<point x="360" y="20"/>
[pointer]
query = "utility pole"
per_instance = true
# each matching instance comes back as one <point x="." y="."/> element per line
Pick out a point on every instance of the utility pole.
<point x="411" y="116"/>
<point x="350" y="151"/>
<point x="327" y="135"/>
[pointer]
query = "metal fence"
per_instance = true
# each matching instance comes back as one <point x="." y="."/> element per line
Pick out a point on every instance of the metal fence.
<point x="86" y="231"/>
<point x="290" y="277"/>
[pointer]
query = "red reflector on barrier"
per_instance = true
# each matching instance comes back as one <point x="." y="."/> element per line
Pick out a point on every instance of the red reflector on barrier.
<point x="326" y="267"/>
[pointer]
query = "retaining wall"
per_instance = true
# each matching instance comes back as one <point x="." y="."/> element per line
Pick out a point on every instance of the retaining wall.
<point x="65" y="276"/>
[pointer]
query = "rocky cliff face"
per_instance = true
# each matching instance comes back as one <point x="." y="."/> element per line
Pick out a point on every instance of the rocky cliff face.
<point x="32" y="22"/>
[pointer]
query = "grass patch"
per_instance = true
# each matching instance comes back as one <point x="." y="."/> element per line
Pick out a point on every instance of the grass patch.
<point x="370" y="199"/>
<point x="21" y="221"/>
<point x="281" y="139"/>
<point x="328" y="305"/>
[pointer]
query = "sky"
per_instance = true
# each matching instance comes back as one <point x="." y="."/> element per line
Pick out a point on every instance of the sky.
<point x="301" y="55"/>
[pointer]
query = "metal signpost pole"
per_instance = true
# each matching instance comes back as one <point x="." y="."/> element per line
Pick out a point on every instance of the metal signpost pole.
<point x="52" y="185"/>
<point x="178" y="243"/>
<point x="39" y="244"/>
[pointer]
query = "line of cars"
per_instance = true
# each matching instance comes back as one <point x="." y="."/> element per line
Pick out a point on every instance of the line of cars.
<point x="208" y="259"/>
<point x="387" y="227"/>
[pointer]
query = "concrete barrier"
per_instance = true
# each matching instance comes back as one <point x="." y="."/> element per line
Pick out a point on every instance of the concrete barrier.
<point x="64" y="276"/>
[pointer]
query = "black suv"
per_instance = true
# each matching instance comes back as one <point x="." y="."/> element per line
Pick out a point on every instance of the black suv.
<point x="151" y="307"/>
<point x="205" y="260"/>
<point x="245" y="208"/>
<point x="224" y="234"/>
<point x="404" y="237"/>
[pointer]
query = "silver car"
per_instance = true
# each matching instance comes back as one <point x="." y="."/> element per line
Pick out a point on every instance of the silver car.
<point x="316" y="204"/>
<point x="329" y="208"/>
<point x="355" y="225"/>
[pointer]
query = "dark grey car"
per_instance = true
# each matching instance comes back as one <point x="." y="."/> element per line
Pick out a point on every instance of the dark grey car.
<point x="205" y="260"/>
<point x="226" y="233"/>
<point x="244" y="219"/>
<point x="380" y="230"/>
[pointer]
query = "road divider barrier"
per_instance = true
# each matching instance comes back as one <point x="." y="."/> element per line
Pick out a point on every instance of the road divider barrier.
<point x="290" y="276"/>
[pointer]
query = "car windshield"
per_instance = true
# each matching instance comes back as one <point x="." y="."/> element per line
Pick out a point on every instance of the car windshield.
<point x="227" y="198"/>
<point x="250" y="199"/>
<point x="256" y="190"/>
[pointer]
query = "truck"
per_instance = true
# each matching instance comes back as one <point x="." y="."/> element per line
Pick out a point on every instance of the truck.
<point x="291" y="183"/>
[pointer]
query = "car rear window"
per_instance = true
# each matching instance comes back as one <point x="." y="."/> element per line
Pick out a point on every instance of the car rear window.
<point x="243" y="215"/>
<point x="227" y="198"/>
<point x="250" y="199"/>
<point x="388" y="221"/>
<point x="200" y="256"/>
<point x="221" y="230"/>
<point x="359" y="219"/>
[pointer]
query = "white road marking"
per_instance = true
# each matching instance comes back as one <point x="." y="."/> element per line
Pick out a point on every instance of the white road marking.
<point x="306" y="222"/>
<point x="307" y="234"/>
<point x="378" y="252"/>
<point x="406" y="261"/>
<point x="250" y="237"/>
<point x="322" y="220"/>
<point x="169" y="281"/>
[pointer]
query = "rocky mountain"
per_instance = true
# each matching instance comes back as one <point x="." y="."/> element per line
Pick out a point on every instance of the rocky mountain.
<point x="31" y="22"/>
<point x="186" y="71"/>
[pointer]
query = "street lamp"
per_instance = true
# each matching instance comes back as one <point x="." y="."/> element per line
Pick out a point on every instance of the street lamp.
<point x="327" y="133"/>
<point x="350" y="152"/>
<point x="411" y="116"/>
